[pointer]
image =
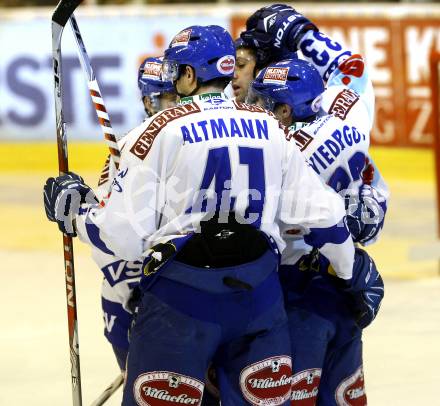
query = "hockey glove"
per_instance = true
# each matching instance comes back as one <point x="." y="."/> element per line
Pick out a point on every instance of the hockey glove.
<point x="367" y="288"/>
<point x="365" y="214"/>
<point x="63" y="196"/>
<point x="276" y="29"/>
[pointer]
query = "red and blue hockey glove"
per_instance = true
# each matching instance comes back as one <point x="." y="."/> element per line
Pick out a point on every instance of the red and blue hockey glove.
<point x="63" y="196"/>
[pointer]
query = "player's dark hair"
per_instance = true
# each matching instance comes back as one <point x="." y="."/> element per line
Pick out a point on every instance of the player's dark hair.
<point x="220" y="82"/>
<point x="217" y="82"/>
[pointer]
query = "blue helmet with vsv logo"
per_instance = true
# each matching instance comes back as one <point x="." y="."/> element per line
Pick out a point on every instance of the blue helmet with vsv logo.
<point x="296" y="83"/>
<point x="208" y="49"/>
<point x="150" y="80"/>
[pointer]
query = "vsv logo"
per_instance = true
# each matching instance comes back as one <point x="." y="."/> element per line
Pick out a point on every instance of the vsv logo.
<point x="119" y="271"/>
<point x="109" y="321"/>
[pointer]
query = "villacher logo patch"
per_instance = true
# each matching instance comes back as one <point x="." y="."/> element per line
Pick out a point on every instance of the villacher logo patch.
<point x="166" y="388"/>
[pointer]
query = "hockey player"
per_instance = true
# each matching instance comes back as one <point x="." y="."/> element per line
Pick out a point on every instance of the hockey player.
<point x="157" y="94"/>
<point x="245" y="70"/>
<point x="204" y="192"/>
<point x="325" y="331"/>
<point x="120" y="277"/>
<point x="249" y="61"/>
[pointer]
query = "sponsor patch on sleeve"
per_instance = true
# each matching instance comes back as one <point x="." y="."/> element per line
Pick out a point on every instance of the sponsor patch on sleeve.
<point x="105" y="172"/>
<point x="276" y="76"/>
<point x="267" y="382"/>
<point x="143" y="144"/>
<point x="343" y="103"/>
<point x="302" y="139"/>
<point x="351" y="391"/>
<point x="162" y="388"/>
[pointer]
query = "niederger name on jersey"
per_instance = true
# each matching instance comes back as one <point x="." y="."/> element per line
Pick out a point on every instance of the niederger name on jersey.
<point x="327" y="152"/>
<point x="276" y="76"/>
<point x="343" y="103"/>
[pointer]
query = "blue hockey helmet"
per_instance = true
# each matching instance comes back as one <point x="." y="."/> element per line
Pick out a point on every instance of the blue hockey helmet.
<point x="150" y="80"/>
<point x="208" y="49"/>
<point x="296" y="83"/>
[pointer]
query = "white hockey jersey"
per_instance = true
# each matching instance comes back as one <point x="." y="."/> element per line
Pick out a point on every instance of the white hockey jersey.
<point x="212" y="154"/>
<point x="336" y="144"/>
<point x="120" y="276"/>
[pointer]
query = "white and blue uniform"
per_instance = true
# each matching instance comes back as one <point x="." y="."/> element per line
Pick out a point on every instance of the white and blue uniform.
<point x="120" y="278"/>
<point x="327" y="345"/>
<point x="158" y="211"/>
<point x="207" y="155"/>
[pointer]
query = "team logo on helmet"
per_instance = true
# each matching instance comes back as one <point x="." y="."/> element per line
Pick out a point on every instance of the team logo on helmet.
<point x="152" y="70"/>
<point x="165" y="388"/>
<point x="226" y="65"/>
<point x="276" y="76"/>
<point x="267" y="382"/>
<point x="269" y="21"/>
<point x="181" y="39"/>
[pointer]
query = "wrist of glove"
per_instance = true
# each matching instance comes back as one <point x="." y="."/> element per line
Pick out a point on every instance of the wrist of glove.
<point x="365" y="214"/>
<point x="366" y="288"/>
<point x="367" y="303"/>
<point x="278" y="28"/>
<point x="63" y="197"/>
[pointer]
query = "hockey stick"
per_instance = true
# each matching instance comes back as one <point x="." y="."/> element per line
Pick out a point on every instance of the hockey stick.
<point x="95" y="93"/>
<point x="110" y="138"/>
<point x="63" y="11"/>
<point x="112" y="388"/>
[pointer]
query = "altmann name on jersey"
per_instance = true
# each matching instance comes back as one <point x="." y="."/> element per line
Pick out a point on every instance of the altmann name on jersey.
<point x="223" y="128"/>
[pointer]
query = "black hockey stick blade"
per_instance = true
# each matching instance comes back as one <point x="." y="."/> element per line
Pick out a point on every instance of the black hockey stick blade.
<point x="64" y="10"/>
